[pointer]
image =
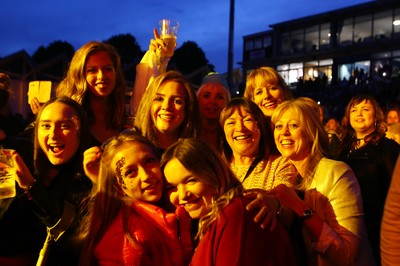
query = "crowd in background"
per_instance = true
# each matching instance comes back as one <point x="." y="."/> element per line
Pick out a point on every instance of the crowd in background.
<point x="199" y="177"/>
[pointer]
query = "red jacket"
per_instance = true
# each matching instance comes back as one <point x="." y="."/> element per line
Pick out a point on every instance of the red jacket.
<point x="235" y="239"/>
<point x="162" y="241"/>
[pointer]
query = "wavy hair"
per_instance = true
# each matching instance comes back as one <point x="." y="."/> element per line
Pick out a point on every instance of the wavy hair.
<point x="143" y="119"/>
<point x="74" y="84"/>
<point x="206" y="164"/>
<point x="311" y="128"/>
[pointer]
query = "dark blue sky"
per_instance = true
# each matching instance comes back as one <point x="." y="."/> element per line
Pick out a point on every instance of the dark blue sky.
<point x="28" y="24"/>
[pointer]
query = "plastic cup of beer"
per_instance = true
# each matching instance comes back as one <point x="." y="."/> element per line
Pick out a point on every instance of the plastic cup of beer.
<point x="169" y="33"/>
<point x="7" y="175"/>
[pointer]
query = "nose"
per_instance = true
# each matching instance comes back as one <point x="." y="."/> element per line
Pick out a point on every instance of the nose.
<point x="286" y="131"/>
<point x="53" y="132"/>
<point x="239" y="125"/>
<point x="100" y="73"/>
<point x="165" y="104"/>
<point x="183" y="193"/>
<point x="145" y="175"/>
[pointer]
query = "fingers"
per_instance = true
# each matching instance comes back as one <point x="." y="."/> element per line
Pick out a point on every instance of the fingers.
<point x="156" y="35"/>
<point x="91" y="163"/>
<point x="35" y="105"/>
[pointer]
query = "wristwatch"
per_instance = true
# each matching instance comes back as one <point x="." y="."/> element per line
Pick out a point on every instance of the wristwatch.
<point x="307" y="214"/>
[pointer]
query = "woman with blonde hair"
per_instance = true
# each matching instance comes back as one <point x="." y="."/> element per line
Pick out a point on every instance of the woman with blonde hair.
<point x="168" y="110"/>
<point x="267" y="89"/>
<point x="327" y="200"/>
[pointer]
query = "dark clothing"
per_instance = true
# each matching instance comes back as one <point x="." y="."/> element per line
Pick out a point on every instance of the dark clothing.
<point x="27" y="219"/>
<point x="373" y="166"/>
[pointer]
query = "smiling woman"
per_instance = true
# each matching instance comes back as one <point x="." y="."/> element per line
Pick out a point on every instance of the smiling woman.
<point x="52" y="197"/>
<point x="202" y="182"/>
<point x="168" y="110"/>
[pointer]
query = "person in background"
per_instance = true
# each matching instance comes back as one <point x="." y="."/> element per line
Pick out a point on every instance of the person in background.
<point x="168" y="110"/>
<point x="128" y="223"/>
<point x="201" y="181"/>
<point x="392" y="116"/>
<point x="371" y="156"/>
<point x="95" y="80"/>
<point x="213" y="95"/>
<point x="390" y="230"/>
<point x="327" y="199"/>
<point x="53" y="195"/>
<point x="267" y="89"/>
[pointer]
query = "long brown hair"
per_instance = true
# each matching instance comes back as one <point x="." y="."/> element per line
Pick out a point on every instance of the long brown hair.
<point x="74" y="84"/>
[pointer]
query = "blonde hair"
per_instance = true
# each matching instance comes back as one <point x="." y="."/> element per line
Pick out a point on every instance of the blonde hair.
<point x="144" y="121"/>
<point x="269" y="76"/>
<point x="311" y="128"/>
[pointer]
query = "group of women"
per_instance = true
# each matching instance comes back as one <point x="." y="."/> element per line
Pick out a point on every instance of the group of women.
<point x="198" y="179"/>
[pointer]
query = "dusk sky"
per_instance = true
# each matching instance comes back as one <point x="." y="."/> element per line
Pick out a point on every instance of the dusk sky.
<point x="28" y="24"/>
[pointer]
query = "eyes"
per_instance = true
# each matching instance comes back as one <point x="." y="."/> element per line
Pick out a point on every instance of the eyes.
<point x="292" y="126"/>
<point x="176" y="100"/>
<point x="61" y="125"/>
<point x="93" y="70"/>
<point x="248" y="120"/>
<point x="190" y="181"/>
<point x="260" y="91"/>
<point x="208" y="95"/>
<point x="132" y="171"/>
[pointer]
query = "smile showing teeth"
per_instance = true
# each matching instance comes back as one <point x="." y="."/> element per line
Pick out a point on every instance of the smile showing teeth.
<point x="287" y="142"/>
<point x="166" y="117"/>
<point x="242" y="137"/>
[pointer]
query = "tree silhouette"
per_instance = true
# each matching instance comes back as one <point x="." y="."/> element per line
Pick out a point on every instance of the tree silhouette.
<point x="55" y="49"/>
<point x="191" y="61"/>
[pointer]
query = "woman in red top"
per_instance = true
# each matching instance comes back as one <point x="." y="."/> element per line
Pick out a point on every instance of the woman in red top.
<point x="128" y="223"/>
<point x="201" y="181"/>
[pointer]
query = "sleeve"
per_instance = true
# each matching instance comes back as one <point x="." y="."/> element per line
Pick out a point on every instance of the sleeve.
<point x="341" y="209"/>
<point x="285" y="173"/>
<point x="390" y="229"/>
<point x="148" y="68"/>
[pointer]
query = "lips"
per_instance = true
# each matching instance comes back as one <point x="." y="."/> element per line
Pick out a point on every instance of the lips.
<point x="287" y="142"/>
<point x="270" y="105"/>
<point x="166" y="116"/>
<point x="242" y="137"/>
<point x="56" y="148"/>
<point x="192" y="205"/>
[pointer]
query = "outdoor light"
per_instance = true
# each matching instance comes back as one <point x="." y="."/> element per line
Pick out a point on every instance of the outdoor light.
<point x="396" y="22"/>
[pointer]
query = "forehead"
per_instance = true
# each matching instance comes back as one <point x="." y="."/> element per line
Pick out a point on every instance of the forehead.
<point x="58" y="111"/>
<point x="239" y="111"/>
<point x="393" y="113"/>
<point x="213" y="88"/>
<point x="264" y="81"/>
<point x="99" y="58"/>
<point x="362" y="104"/>
<point x="175" y="172"/>
<point x="172" y="88"/>
<point x="133" y="152"/>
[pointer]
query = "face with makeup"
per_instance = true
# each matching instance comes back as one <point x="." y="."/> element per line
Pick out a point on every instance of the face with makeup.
<point x="137" y="169"/>
<point x="289" y="137"/>
<point x="187" y="190"/>
<point x="58" y="132"/>
<point x="242" y="133"/>
<point x="100" y="74"/>
<point x="267" y="96"/>
<point x="168" y="108"/>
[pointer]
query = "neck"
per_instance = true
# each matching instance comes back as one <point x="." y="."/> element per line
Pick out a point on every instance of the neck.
<point x="301" y="166"/>
<point x="165" y="140"/>
<point x="242" y="159"/>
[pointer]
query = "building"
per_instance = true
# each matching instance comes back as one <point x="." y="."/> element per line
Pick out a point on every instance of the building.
<point x="349" y="44"/>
